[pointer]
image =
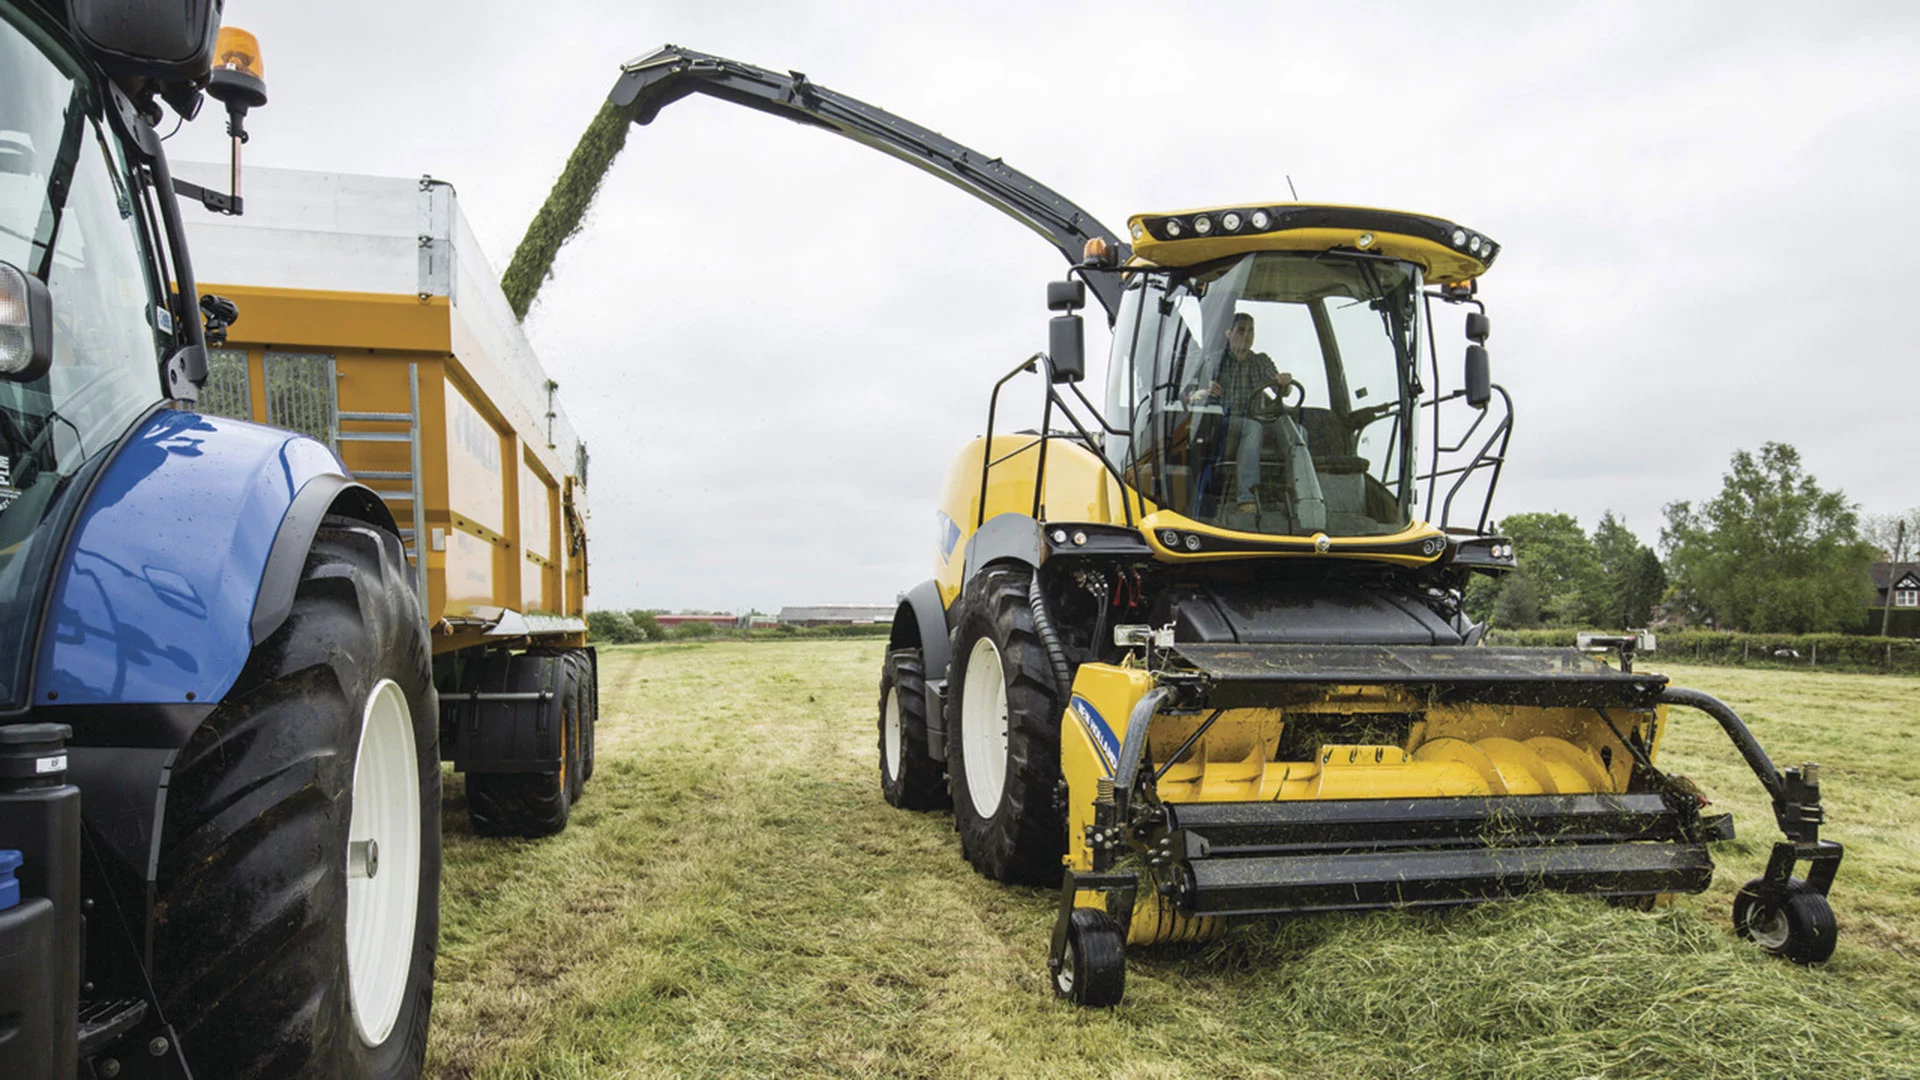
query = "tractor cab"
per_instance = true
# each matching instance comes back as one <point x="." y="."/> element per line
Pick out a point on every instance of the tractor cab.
<point x="1267" y="372"/>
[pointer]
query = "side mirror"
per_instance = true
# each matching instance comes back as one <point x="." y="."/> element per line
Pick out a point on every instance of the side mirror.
<point x="1478" y="327"/>
<point x="1479" y="377"/>
<point x="1066" y="349"/>
<point x="1066" y="295"/>
<point x="26" y="325"/>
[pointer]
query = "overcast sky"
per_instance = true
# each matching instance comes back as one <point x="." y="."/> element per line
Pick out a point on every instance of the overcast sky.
<point x="774" y="340"/>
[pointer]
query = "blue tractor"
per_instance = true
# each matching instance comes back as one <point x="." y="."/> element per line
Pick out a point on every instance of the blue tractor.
<point x="219" y="762"/>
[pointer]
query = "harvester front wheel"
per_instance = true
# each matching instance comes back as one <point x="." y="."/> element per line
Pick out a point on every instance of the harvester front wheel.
<point x="1093" y="973"/>
<point x="909" y="777"/>
<point x="1003" y="719"/>
<point x="296" y="912"/>
<point x="1796" y="924"/>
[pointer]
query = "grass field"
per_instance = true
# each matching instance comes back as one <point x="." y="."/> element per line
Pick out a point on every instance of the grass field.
<point x="734" y="899"/>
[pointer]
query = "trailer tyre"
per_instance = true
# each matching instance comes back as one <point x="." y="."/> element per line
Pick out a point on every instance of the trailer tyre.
<point x="1093" y="973"/>
<point x="1003" y="716"/>
<point x="1796" y="924"/>
<point x="296" y="912"/>
<point x="909" y="777"/>
<point x="533" y="804"/>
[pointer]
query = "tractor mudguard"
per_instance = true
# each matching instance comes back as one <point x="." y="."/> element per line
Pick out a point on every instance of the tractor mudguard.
<point x="922" y="616"/>
<point x="159" y="597"/>
<point x="1004" y="538"/>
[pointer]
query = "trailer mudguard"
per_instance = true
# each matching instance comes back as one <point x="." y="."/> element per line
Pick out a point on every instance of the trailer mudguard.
<point x="156" y="596"/>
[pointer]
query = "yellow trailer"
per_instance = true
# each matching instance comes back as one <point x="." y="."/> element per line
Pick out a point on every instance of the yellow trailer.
<point x="370" y="320"/>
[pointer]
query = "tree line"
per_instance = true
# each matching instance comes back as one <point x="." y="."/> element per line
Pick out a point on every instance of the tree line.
<point x="1773" y="552"/>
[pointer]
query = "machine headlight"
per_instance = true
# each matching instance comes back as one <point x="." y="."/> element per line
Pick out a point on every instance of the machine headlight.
<point x="1173" y="227"/>
<point x="1203" y="224"/>
<point x="1059" y="536"/>
<point x="1170" y="538"/>
<point x="1260" y="219"/>
<point x="1230" y="221"/>
<point x="1079" y="539"/>
<point x="1139" y="230"/>
<point x="1473" y="245"/>
<point x="1459" y="238"/>
<point x="1193" y="542"/>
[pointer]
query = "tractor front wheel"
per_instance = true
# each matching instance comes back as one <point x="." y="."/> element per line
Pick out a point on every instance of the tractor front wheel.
<point x="296" y="906"/>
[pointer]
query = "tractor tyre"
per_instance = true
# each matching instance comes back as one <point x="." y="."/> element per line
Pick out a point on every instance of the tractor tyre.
<point x="1003" y="720"/>
<point x="1797" y="925"/>
<point x="296" y="904"/>
<point x="1093" y="974"/>
<point x="590" y="718"/>
<point x="532" y="804"/>
<point x="909" y="777"/>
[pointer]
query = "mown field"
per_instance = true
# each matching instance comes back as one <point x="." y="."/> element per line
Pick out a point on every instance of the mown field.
<point x="734" y="899"/>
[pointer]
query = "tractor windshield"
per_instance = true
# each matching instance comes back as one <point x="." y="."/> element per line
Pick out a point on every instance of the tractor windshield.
<point x="1272" y="392"/>
<point x="69" y="215"/>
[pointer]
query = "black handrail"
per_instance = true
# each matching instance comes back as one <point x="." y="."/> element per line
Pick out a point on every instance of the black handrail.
<point x="1031" y="363"/>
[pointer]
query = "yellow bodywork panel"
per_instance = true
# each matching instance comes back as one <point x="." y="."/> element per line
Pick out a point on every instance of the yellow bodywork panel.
<point x="1078" y="488"/>
<point x="1440" y="262"/>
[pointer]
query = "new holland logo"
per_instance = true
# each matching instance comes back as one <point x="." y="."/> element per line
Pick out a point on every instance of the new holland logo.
<point x="1098" y="733"/>
<point x="949" y="534"/>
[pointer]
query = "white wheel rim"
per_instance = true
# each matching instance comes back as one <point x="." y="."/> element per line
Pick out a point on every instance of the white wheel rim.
<point x="983" y="727"/>
<point x="381" y="906"/>
<point x="1769" y="929"/>
<point x="892" y="732"/>
<point x="1064" y="977"/>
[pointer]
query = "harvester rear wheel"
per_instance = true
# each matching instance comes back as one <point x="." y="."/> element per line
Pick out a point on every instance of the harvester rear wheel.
<point x="1797" y="925"/>
<point x="296" y="913"/>
<point x="1003" y="719"/>
<point x="532" y="804"/>
<point x="909" y="777"/>
<point x="1093" y="973"/>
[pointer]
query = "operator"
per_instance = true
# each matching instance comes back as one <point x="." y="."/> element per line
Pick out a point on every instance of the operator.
<point x="1243" y="375"/>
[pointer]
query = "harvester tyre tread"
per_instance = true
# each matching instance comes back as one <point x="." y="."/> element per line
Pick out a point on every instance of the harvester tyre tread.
<point x="531" y="804"/>
<point x="250" y="913"/>
<point x="1022" y="840"/>
<point x="1095" y="973"/>
<point x="921" y="783"/>
<point x="1800" y="927"/>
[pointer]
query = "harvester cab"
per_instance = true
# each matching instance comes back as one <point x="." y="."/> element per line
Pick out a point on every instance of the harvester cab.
<point x="1204" y="649"/>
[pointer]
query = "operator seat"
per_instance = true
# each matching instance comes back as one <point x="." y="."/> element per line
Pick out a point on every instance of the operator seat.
<point x="1343" y="473"/>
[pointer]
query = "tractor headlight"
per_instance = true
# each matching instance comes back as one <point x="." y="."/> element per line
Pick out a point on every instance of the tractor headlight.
<point x="1203" y="224"/>
<point x="1173" y="228"/>
<point x="1260" y="219"/>
<point x="1230" y="221"/>
<point x="1459" y="238"/>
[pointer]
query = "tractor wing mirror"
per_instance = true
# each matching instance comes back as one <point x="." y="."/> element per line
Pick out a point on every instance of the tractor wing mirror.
<point x="1066" y="295"/>
<point x="1478" y="327"/>
<point x="1066" y="349"/>
<point x="26" y="325"/>
<point x="1479" y="377"/>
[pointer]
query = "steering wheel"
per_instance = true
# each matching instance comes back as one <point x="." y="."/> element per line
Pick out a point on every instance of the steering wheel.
<point x="1270" y="404"/>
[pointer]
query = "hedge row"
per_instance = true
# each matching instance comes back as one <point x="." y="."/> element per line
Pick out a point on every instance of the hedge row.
<point x="1835" y="652"/>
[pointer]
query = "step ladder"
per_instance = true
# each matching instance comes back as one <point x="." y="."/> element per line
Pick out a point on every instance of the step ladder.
<point x="381" y="481"/>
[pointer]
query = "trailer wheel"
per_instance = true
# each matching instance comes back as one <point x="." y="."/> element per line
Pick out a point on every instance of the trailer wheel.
<point x="909" y="777"/>
<point x="532" y="804"/>
<point x="1797" y="925"/>
<point x="1004" y="720"/>
<point x="576" y="662"/>
<point x="1093" y="973"/>
<point x="296" y="905"/>
<point x="590" y="717"/>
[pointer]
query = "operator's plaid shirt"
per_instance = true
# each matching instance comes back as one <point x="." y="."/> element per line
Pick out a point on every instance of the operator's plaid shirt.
<point x="1239" y="380"/>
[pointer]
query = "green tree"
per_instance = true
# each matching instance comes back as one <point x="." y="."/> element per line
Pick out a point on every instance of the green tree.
<point x="1517" y="605"/>
<point x="1773" y="552"/>
<point x="1627" y="581"/>
<point x="612" y="627"/>
<point x="1556" y="555"/>
<point x="647" y="624"/>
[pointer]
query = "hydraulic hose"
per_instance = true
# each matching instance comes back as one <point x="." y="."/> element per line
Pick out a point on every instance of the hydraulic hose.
<point x="1736" y="730"/>
<point x="1049" y="638"/>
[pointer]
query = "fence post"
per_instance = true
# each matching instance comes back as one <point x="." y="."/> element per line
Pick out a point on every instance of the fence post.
<point x="1816" y="654"/>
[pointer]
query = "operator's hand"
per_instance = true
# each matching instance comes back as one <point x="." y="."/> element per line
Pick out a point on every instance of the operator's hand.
<point x="1201" y="397"/>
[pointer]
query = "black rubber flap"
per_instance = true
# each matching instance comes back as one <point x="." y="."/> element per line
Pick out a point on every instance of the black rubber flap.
<point x="1251" y="675"/>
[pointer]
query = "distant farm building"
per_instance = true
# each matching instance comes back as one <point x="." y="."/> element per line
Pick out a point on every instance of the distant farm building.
<point x="669" y="621"/>
<point x="837" y="615"/>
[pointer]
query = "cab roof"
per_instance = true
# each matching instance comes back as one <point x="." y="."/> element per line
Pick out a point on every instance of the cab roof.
<point x="1450" y="254"/>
